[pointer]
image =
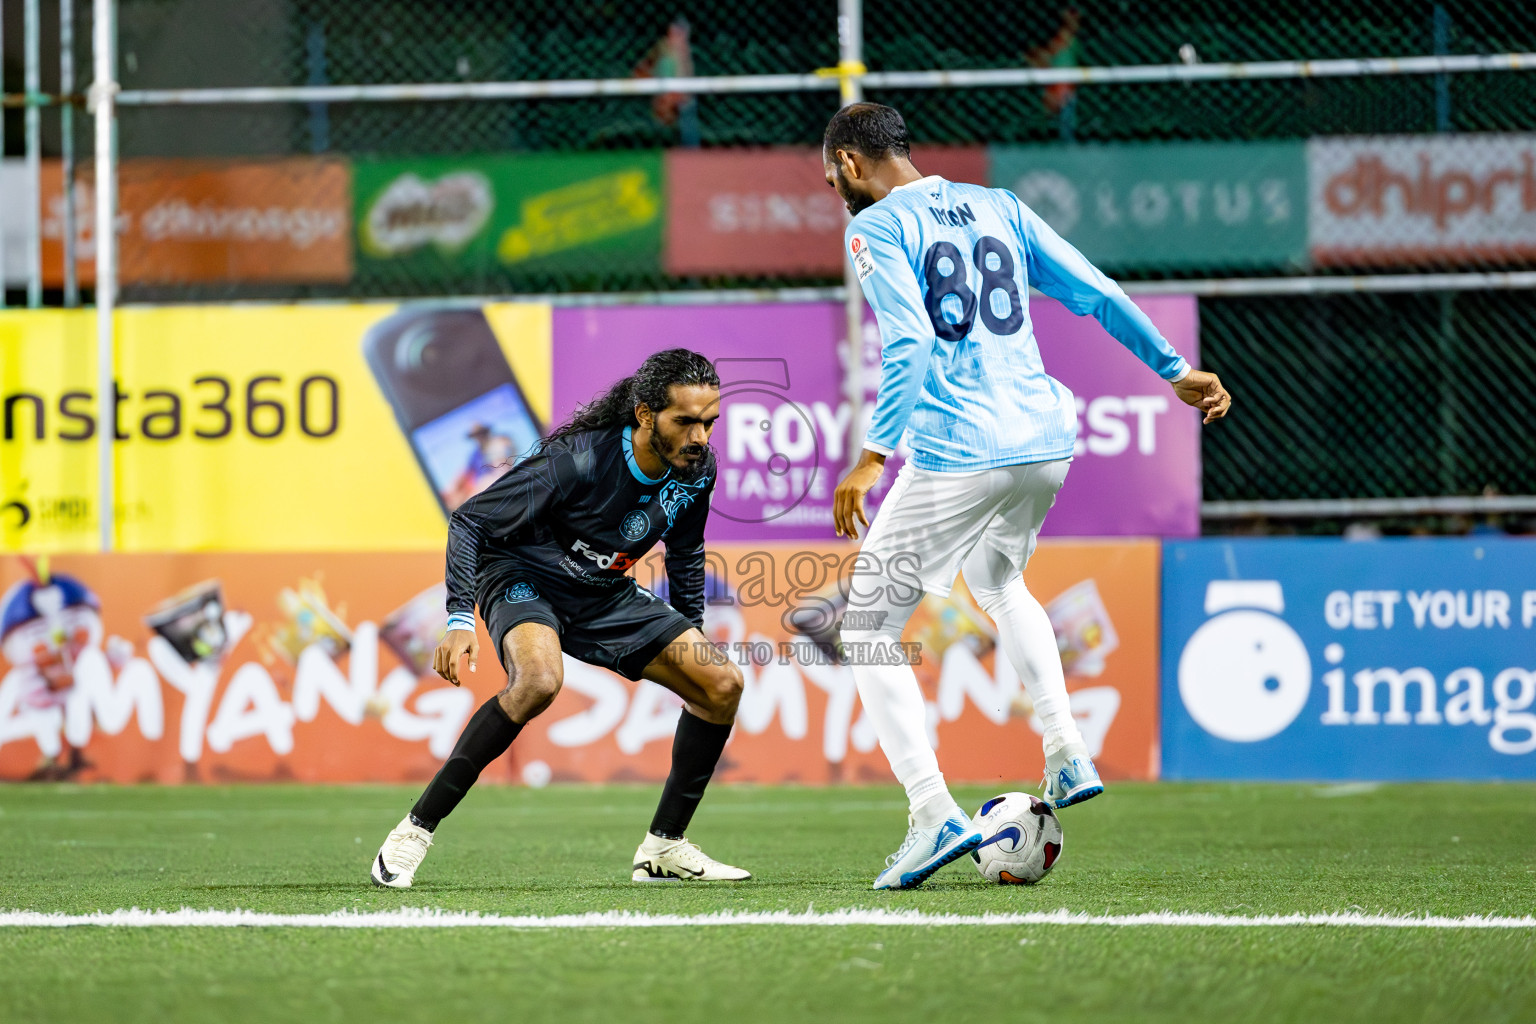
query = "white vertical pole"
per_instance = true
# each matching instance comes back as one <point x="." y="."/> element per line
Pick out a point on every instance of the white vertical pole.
<point x="102" y="99"/>
<point x="67" y="146"/>
<point x="850" y="40"/>
<point x="33" y="84"/>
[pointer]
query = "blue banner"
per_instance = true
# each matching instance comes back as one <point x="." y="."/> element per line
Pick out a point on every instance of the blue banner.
<point x="1327" y="659"/>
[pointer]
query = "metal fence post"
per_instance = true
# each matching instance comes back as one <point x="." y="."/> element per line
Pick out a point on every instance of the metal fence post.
<point x="33" y="86"/>
<point x="850" y="39"/>
<point x="102" y="96"/>
<point x="67" y="146"/>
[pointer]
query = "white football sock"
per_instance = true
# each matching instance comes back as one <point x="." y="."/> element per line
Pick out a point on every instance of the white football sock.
<point x="1024" y="630"/>
<point x="894" y="702"/>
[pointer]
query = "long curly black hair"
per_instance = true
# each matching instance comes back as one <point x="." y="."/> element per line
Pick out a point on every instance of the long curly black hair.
<point x="649" y="385"/>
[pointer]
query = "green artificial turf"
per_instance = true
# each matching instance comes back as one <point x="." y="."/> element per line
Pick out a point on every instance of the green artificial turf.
<point x="1226" y="849"/>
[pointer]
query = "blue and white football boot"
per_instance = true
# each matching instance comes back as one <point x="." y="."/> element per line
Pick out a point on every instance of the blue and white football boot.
<point x="925" y="850"/>
<point x="1070" y="777"/>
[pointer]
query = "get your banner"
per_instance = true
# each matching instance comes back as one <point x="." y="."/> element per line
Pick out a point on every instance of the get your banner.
<point x="250" y="428"/>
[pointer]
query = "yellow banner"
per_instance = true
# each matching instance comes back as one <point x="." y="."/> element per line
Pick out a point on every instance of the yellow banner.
<point x="266" y="428"/>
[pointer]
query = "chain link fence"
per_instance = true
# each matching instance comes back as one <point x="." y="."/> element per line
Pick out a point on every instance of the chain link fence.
<point x="1342" y="395"/>
<point x="1373" y="396"/>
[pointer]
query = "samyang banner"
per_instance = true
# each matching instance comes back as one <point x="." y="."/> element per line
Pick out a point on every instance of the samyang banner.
<point x="317" y="668"/>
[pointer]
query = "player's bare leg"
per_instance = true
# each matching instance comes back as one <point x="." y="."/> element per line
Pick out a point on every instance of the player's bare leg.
<point x="534" y="676"/>
<point x="711" y="688"/>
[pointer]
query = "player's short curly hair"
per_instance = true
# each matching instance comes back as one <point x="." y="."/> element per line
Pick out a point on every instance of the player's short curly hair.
<point x="873" y="129"/>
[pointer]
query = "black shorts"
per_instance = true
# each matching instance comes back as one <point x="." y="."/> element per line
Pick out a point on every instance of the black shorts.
<point x="622" y="629"/>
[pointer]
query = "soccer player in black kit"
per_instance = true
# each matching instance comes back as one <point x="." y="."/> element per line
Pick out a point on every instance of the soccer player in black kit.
<point x="543" y="553"/>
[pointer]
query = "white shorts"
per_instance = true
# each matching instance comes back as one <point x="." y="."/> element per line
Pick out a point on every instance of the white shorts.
<point x="931" y="525"/>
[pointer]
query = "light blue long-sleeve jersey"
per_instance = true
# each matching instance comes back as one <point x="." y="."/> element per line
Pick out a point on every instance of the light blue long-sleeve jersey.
<point x="947" y="267"/>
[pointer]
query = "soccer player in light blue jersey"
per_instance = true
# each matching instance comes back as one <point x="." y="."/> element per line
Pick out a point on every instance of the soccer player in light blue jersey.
<point x="947" y="266"/>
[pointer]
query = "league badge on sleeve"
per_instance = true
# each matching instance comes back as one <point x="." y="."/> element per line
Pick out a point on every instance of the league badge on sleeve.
<point x="863" y="262"/>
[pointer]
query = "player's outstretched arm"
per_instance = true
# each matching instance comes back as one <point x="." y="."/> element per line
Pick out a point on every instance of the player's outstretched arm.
<point x="1203" y="391"/>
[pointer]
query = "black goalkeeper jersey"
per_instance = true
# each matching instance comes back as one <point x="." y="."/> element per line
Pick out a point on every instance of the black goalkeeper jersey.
<point x="582" y="509"/>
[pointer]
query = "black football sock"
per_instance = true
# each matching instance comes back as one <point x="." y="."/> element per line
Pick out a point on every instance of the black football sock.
<point x="487" y="736"/>
<point x="696" y="750"/>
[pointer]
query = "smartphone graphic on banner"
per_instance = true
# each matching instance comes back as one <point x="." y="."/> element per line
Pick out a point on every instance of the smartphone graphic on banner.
<point x="454" y="395"/>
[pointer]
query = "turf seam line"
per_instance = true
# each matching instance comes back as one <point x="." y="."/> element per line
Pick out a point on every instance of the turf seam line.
<point x="409" y="917"/>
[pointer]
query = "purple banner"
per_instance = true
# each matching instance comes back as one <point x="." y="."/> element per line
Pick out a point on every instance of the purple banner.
<point x="784" y="432"/>
<point x="1137" y="467"/>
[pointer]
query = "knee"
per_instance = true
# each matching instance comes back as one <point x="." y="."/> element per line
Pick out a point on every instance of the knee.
<point x="723" y="689"/>
<point x="533" y="688"/>
<point x="991" y="599"/>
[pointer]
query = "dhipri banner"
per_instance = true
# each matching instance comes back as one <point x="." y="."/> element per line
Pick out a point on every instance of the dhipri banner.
<point x="317" y="668"/>
<point x="266" y="428"/>
<point x="1422" y="198"/>
<point x="1324" y="659"/>
<point x="786" y="428"/>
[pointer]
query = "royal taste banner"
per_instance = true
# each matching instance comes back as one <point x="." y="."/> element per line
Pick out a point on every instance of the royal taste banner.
<point x="316" y="668"/>
<point x="266" y="427"/>
<point x="786" y="425"/>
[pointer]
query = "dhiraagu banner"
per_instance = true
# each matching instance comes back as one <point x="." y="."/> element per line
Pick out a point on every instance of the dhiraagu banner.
<point x="1183" y="204"/>
<point x="266" y="428"/>
<point x="460" y="217"/>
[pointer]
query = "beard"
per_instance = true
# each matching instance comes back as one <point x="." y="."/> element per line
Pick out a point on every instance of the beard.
<point x="855" y="202"/>
<point x="690" y="471"/>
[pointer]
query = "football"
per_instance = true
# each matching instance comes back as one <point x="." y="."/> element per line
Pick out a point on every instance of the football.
<point x="1023" y="839"/>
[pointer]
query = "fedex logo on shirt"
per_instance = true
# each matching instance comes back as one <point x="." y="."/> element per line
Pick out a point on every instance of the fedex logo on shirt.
<point x="618" y="561"/>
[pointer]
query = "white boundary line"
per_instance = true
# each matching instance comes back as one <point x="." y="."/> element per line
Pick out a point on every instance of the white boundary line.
<point x="427" y="918"/>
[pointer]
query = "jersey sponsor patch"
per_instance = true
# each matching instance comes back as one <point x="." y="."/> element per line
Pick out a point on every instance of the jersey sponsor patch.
<point x="863" y="262"/>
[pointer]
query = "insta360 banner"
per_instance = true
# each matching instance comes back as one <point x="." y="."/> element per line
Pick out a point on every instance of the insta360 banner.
<point x="266" y="428"/>
<point x="317" y="668"/>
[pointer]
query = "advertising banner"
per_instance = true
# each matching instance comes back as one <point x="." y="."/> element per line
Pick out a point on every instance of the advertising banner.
<point x="1136" y="470"/>
<point x="1422" y="198"/>
<point x="784" y="435"/>
<point x="446" y="218"/>
<point x="769" y="211"/>
<point x="316" y="668"/>
<point x="265" y="428"/>
<point x="1171" y="204"/>
<point x="198" y="221"/>
<point x="1327" y="659"/>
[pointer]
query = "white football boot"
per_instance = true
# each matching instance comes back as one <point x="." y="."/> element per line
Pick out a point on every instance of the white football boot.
<point x="678" y="860"/>
<point x="1070" y="777"/>
<point x="925" y="850"/>
<point x="401" y="855"/>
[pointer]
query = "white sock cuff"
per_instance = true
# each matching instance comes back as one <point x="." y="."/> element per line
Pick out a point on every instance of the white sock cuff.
<point x="916" y="767"/>
<point x="925" y="788"/>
